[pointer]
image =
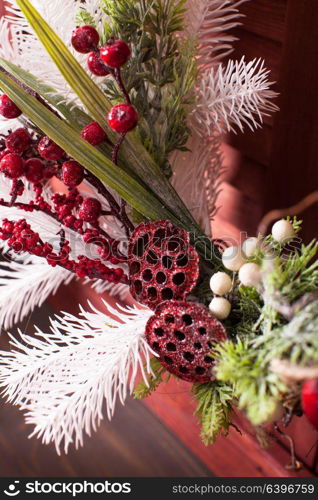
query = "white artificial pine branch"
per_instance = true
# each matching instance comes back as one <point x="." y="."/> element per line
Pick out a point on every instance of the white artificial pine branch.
<point x="234" y="96"/>
<point x="210" y="22"/>
<point x="24" y="286"/>
<point x="62" y="378"/>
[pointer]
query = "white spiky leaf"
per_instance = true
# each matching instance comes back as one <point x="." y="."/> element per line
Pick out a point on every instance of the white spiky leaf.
<point x="25" y="286"/>
<point x="62" y="379"/>
<point x="235" y="96"/>
<point x="211" y="22"/>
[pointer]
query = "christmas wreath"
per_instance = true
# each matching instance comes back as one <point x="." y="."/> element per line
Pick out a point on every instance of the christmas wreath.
<point x="112" y="120"/>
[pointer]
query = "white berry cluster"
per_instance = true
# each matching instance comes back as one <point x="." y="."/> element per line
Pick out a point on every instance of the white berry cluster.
<point x="235" y="259"/>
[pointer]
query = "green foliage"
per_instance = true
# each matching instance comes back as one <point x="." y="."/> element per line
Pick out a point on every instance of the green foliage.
<point x="161" y="73"/>
<point x="214" y="409"/>
<point x="83" y="17"/>
<point x="257" y="389"/>
<point x="144" y="390"/>
<point x="296" y="342"/>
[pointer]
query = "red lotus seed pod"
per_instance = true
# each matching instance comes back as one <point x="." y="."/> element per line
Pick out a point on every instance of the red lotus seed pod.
<point x="34" y="170"/>
<point x="123" y="118"/>
<point x="49" y="150"/>
<point x="8" y="109"/>
<point x="72" y="173"/>
<point x="309" y="401"/>
<point x="12" y="165"/>
<point x="96" y="65"/>
<point x="162" y="263"/>
<point x="85" y="38"/>
<point x="90" y="210"/>
<point x="115" y="54"/>
<point x="183" y="333"/>
<point x="94" y="134"/>
<point x="18" y="141"/>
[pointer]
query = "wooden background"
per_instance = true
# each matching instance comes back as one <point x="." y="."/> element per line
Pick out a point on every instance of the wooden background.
<point x="271" y="168"/>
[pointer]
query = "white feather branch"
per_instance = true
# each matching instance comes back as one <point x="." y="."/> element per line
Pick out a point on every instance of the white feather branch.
<point x="235" y="96"/>
<point x="25" y="286"/>
<point x="62" y="378"/>
<point x="210" y="21"/>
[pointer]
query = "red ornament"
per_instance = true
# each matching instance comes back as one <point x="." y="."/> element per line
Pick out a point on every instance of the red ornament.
<point x="162" y="263"/>
<point x="96" y="65"/>
<point x="309" y="401"/>
<point x="7" y="108"/>
<point x="182" y="334"/>
<point x="85" y="38"/>
<point x="115" y="54"/>
<point x="94" y="134"/>
<point x="72" y="173"/>
<point x="49" y="150"/>
<point x="90" y="210"/>
<point x="34" y="170"/>
<point x="12" y="165"/>
<point x="18" y="141"/>
<point x="123" y="118"/>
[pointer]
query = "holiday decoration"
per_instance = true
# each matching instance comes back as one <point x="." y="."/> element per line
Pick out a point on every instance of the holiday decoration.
<point x="182" y="334"/>
<point x="162" y="263"/>
<point x="112" y="116"/>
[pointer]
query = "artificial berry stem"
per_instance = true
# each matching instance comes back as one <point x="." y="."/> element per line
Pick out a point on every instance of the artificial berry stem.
<point x="117" y="148"/>
<point x="117" y="75"/>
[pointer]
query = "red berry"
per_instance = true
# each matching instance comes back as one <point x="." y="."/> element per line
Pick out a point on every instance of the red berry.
<point x="12" y="165"/>
<point x="115" y="54"/>
<point x="49" y="150"/>
<point x="3" y="153"/>
<point x="7" y="107"/>
<point x="84" y="39"/>
<point x="96" y="66"/>
<point x="309" y="400"/>
<point x="94" y="134"/>
<point x="18" y="141"/>
<point x="123" y="118"/>
<point x="34" y="170"/>
<point x="72" y="173"/>
<point x="90" y="210"/>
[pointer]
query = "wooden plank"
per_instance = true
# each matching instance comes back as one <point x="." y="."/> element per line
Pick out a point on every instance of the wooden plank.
<point x="253" y="46"/>
<point x="265" y="18"/>
<point x="293" y="171"/>
<point x="253" y="145"/>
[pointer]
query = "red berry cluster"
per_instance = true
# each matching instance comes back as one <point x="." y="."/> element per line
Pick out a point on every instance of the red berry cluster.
<point x="27" y="157"/>
<point x="102" y="62"/>
<point x="21" y="238"/>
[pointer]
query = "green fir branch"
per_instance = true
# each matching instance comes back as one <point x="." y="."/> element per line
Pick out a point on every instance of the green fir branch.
<point x="214" y="409"/>
<point x="161" y="74"/>
<point x="258" y="390"/>
<point x="144" y="390"/>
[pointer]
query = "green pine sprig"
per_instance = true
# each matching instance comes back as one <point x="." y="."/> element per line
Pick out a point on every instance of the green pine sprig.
<point x="214" y="409"/>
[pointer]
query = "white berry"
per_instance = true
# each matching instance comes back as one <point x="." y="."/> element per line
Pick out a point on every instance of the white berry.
<point x="283" y="231"/>
<point x="250" y="246"/>
<point x="233" y="258"/>
<point x="220" y="307"/>
<point x="220" y="283"/>
<point x="250" y="274"/>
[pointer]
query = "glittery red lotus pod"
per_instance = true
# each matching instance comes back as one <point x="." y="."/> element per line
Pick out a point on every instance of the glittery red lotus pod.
<point x="162" y="263"/>
<point x="182" y="334"/>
